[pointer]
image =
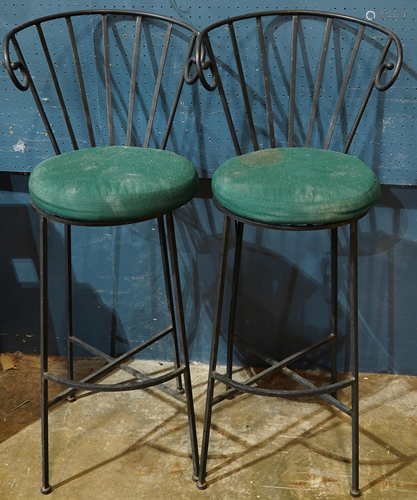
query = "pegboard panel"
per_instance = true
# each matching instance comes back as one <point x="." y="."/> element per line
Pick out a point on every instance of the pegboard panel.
<point x="385" y="141"/>
<point x="99" y="107"/>
<point x="346" y="68"/>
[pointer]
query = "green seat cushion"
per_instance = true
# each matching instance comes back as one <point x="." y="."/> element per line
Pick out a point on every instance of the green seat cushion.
<point x="296" y="186"/>
<point x="113" y="184"/>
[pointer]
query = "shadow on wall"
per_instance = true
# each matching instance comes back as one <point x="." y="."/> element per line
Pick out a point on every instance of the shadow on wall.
<point x="19" y="292"/>
<point x="284" y="289"/>
<point x="119" y="295"/>
<point x="19" y="289"/>
<point x="388" y="267"/>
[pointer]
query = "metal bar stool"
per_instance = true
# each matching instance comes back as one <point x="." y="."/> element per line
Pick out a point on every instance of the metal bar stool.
<point x="115" y="171"/>
<point x="293" y="86"/>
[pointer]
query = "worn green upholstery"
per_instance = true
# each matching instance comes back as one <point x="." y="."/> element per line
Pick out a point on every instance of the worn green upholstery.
<point x="296" y="186"/>
<point x="113" y="184"/>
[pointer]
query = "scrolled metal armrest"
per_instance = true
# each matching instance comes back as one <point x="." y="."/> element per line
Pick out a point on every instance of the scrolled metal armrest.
<point x="190" y="79"/>
<point x="14" y="66"/>
<point x="384" y="66"/>
<point x="390" y="66"/>
<point x="204" y="65"/>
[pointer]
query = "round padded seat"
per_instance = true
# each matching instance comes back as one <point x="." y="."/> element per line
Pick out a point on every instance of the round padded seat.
<point x="112" y="184"/>
<point x="296" y="186"/>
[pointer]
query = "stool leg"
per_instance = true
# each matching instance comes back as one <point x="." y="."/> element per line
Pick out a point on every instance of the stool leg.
<point x="170" y="300"/>
<point x="46" y="488"/>
<point x="213" y="357"/>
<point x="233" y="300"/>
<point x="353" y="293"/>
<point x="68" y="292"/>
<point x="183" y="340"/>
<point x="334" y="304"/>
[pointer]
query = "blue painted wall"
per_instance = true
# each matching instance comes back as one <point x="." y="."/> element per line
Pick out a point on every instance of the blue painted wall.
<point x="117" y="272"/>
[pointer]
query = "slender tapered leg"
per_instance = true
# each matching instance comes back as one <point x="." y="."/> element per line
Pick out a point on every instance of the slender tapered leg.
<point x="183" y="340"/>
<point x="170" y="300"/>
<point x="68" y="294"/>
<point x="46" y="487"/>
<point x="213" y="357"/>
<point x="334" y="304"/>
<point x="353" y="292"/>
<point x="233" y="299"/>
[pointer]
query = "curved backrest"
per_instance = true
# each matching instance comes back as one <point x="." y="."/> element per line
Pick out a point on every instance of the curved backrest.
<point x="102" y="77"/>
<point x="295" y="77"/>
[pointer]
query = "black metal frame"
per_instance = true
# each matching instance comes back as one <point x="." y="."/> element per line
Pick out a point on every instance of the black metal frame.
<point x="209" y="64"/>
<point x="206" y="61"/>
<point x="176" y="328"/>
<point x="326" y="392"/>
<point x="28" y="83"/>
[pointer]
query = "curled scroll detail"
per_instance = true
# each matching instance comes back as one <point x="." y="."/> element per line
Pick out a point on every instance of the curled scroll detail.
<point x="14" y="66"/>
<point x="204" y="65"/>
<point x="384" y="66"/>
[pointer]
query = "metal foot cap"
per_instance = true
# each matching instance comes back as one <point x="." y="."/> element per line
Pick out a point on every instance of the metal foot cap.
<point x="355" y="493"/>
<point x="201" y="486"/>
<point x="46" y="491"/>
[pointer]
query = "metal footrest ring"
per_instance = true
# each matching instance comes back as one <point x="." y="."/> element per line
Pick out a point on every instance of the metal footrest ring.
<point x="123" y="386"/>
<point x="317" y="391"/>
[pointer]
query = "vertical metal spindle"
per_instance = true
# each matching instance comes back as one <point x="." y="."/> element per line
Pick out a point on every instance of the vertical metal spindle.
<point x="57" y="87"/>
<point x="43" y="233"/>
<point x="158" y="86"/>
<point x="223" y="97"/>
<point x="133" y="78"/>
<point x="319" y="79"/>
<point x="353" y="293"/>
<point x="37" y="99"/>
<point x="293" y="81"/>
<point x="177" y="95"/>
<point x="265" y="73"/>
<point x="80" y="80"/>
<point x="344" y="87"/>
<point x="367" y="96"/>
<point x="107" y="78"/>
<point x="243" y="87"/>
